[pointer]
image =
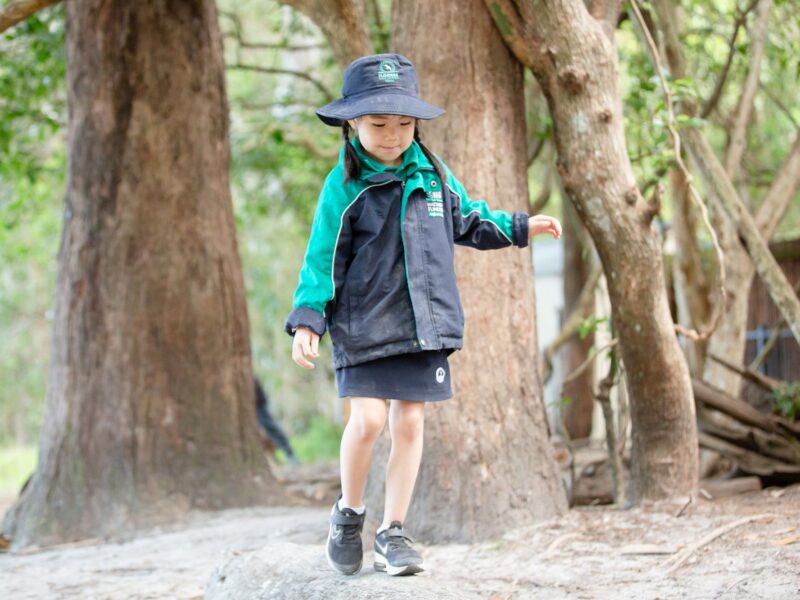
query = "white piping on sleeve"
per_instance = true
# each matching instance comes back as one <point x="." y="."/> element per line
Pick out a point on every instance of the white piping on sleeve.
<point x="478" y="210"/>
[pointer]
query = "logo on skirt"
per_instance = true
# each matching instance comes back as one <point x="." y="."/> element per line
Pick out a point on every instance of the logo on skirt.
<point x="440" y="375"/>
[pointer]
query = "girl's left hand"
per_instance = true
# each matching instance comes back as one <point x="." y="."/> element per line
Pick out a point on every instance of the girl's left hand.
<point x="544" y="224"/>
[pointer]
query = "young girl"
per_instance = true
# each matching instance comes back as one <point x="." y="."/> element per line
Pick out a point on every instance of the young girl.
<point x="378" y="273"/>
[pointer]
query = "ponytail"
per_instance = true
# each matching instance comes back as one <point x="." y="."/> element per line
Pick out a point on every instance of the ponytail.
<point x="437" y="165"/>
<point x="352" y="166"/>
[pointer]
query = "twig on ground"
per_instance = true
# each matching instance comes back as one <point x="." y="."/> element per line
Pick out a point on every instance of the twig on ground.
<point x="685" y="506"/>
<point x="684" y="555"/>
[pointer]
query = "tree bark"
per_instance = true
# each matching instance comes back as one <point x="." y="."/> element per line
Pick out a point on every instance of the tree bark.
<point x="487" y="465"/>
<point x="691" y="283"/>
<point x="150" y="401"/>
<point x="575" y="61"/>
<point x="577" y="266"/>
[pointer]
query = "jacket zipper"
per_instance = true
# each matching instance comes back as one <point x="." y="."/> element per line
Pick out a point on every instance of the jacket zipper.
<point x="405" y="263"/>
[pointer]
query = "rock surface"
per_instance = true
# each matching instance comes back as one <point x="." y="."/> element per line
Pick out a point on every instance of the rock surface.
<point x="283" y="571"/>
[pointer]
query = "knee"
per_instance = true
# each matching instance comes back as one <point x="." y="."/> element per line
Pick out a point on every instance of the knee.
<point x="367" y="425"/>
<point x="407" y="425"/>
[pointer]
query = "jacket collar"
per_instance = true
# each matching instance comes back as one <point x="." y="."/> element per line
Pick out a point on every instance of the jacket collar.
<point x="414" y="159"/>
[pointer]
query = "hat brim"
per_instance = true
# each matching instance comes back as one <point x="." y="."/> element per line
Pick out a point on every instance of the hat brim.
<point x="338" y="111"/>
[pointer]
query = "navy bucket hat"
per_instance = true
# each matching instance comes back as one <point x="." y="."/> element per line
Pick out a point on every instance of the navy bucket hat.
<point x="383" y="84"/>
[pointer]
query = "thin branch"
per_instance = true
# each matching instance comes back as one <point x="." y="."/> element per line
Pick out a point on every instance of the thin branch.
<point x="713" y="100"/>
<point x="777" y="101"/>
<point x="738" y="133"/>
<point x="343" y="23"/>
<point x="603" y="396"/>
<point x="267" y="105"/>
<point x="239" y="37"/>
<point x="571" y="325"/>
<point x="668" y="103"/>
<point x="272" y="45"/>
<point x="273" y="71"/>
<point x="774" y="336"/>
<point x="768" y="383"/>
<point x="589" y="359"/>
<point x="19" y="10"/>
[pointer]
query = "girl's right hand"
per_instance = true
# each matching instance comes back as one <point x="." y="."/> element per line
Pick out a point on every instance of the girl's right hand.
<point x="305" y="346"/>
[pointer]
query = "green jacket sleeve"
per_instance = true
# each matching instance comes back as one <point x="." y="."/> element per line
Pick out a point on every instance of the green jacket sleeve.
<point x="478" y="226"/>
<point x="323" y="264"/>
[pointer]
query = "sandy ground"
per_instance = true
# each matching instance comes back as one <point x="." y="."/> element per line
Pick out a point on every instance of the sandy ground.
<point x="592" y="552"/>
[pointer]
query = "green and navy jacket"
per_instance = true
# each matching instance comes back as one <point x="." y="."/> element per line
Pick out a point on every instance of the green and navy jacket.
<point x="378" y="271"/>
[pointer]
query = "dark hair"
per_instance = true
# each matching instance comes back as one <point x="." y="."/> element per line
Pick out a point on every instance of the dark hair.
<point x="352" y="166"/>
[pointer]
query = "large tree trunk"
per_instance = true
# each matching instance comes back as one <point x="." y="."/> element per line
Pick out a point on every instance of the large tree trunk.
<point x="487" y="464"/>
<point x="150" y="405"/>
<point x="574" y="58"/>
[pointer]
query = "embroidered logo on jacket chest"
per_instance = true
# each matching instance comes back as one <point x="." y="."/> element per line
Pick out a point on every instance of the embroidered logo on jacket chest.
<point x="434" y="200"/>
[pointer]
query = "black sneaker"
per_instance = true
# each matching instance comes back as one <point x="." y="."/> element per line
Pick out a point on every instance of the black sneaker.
<point x="393" y="553"/>
<point x="344" y="550"/>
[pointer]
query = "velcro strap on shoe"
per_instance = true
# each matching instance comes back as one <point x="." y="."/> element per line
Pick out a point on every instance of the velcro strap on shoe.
<point x="343" y="519"/>
<point x="396" y="532"/>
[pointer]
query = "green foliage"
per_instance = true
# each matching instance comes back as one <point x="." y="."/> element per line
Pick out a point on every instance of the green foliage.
<point x="320" y="440"/>
<point x="17" y="463"/>
<point x="786" y="400"/>
<point x="32" y="158"/>
<point x="32" y="97"/>
<point x="707" y="26"/>
<point x="589" y="325"/>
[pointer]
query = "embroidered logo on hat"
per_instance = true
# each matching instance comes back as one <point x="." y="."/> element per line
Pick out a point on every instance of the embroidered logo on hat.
<point x="378" y="84"/>
<point x="387" y="71"/>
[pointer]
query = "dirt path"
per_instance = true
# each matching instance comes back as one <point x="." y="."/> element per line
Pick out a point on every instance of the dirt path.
<point x="592" y="553"/>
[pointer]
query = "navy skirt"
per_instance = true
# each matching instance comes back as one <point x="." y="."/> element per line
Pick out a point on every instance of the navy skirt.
<point x="422" y="376"/>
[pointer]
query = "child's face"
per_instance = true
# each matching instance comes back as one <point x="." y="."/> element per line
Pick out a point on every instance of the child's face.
<point x="385" y="137"/>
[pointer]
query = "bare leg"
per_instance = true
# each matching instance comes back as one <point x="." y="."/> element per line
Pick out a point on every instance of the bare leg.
<point x="367" y="420"/>
<point x="406" y="423"/>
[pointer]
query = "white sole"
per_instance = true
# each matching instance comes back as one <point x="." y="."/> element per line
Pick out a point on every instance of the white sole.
<point x="381" y="564"/>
